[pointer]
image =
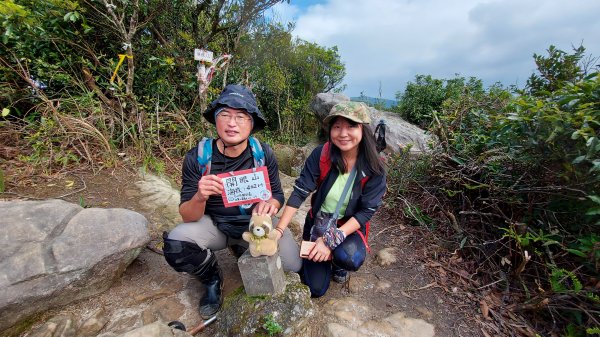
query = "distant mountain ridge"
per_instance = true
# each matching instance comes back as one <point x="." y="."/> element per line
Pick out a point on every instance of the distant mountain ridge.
<point x="372" y="101"/>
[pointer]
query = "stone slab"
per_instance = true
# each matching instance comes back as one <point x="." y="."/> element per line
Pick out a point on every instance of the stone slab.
<point x="262" y="275"/>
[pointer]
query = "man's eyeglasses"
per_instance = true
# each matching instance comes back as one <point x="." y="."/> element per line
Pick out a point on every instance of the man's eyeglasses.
<point x="239" y="119"/>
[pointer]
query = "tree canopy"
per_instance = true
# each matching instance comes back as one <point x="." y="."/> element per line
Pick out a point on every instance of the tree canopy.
<point x="130" y="64"/>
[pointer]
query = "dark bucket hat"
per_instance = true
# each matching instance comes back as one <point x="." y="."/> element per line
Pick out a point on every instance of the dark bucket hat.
<point x="237" y="97"/>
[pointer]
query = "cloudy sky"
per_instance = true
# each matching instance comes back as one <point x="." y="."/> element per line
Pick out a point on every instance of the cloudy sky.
<point x="385" y="43"/>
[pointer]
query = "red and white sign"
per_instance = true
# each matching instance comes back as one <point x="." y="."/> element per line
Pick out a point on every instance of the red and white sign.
<point x="245" y="186"/>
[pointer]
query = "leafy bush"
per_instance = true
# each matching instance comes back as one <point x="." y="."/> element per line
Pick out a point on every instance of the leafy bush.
<point x="423" y="98"/>
<point x="555" y="70"/>
<point x="532" y="171"/>
<point x="520" y="174"/>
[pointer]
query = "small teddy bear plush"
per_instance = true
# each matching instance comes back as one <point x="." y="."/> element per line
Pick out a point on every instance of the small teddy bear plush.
<point x="261" y="236"/>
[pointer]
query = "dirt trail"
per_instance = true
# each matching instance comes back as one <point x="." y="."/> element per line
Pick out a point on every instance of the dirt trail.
<point x="415" y="284"/>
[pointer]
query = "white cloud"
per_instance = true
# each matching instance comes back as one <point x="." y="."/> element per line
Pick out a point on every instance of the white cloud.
<point x="391" y="41"/>
<point x="283" y="12"/>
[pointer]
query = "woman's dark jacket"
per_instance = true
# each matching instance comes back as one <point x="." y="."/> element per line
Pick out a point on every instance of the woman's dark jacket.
<point x="363" y="203"/>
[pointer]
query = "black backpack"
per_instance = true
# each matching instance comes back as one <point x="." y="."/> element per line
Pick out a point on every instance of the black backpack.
<point x="380" y="143"/>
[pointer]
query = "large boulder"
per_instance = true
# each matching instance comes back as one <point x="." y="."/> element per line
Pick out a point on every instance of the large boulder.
<point x="323" y="102"/>
<point x="289" y="313"/>
<point x="158" y="198"/>
<point x="399" y="133"/>
<point x="55" y="253"/>
<point x="297" y="222"/>
<point x="289" y="159"/>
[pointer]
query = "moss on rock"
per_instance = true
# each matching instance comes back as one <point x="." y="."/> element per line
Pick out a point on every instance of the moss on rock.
<point x="244" y="315"/>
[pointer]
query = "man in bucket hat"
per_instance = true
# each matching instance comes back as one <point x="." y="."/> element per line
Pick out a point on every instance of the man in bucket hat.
<point x="209" y="225"/>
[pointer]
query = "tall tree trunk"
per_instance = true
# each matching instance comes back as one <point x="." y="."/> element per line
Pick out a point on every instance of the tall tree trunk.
<point x="130" y="71"/>
<point x="278" y="113"/>
<point x="234" y="49"/>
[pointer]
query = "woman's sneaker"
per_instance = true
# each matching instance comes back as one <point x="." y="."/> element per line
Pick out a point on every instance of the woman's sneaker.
<point x="339" y="275"/>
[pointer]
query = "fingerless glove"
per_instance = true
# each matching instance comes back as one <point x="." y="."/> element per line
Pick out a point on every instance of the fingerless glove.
<point x="333" y="237"/>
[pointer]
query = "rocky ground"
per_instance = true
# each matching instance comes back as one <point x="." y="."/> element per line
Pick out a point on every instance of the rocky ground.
<point x="407" y="274"/>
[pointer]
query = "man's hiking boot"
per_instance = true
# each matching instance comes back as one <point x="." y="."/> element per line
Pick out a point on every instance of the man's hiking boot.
<point x="212" y="279"/>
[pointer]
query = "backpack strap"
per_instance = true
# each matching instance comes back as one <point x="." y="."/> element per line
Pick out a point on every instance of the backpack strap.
<point x="258" y="154"/>
<point x="365" y="238"/>
<point x="324" y="163"/>
<point x="204" y="155"/>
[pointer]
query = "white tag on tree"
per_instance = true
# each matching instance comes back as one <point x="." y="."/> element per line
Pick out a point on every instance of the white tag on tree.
<point x="203" y="55"/>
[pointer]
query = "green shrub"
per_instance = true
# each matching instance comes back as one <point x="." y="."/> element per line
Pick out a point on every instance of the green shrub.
<point x="519" y="175"/>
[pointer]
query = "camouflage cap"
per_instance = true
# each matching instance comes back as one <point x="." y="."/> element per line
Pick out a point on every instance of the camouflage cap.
<point x="354" y="111"/>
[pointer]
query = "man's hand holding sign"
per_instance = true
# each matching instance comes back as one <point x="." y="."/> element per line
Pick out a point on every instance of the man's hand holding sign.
<point x="209" y="185"/>
<point x="238" y="188"/>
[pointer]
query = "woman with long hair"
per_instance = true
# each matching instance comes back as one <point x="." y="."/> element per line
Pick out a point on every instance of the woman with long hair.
<point x="348" y="178"/>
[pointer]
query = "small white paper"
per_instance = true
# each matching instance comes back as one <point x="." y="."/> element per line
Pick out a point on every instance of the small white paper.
<point x="203" y="55"/>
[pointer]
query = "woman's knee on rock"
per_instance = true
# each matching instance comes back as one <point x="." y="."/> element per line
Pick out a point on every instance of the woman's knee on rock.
<point x="350" y="254"/>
